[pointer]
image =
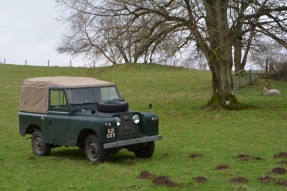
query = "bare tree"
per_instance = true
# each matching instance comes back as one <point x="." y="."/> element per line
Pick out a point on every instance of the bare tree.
<point x="259" y="19"/>
<point x="99" y="34"/>
<point x="224" y="31"/>
<point x="271" y="57"/>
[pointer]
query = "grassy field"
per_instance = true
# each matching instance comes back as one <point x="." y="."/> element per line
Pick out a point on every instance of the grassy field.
<point x="201" y="150"/>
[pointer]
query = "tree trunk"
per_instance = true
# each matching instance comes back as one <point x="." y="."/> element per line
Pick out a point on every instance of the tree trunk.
<point x="219" y="56"/>
<point x="222" y="86"/>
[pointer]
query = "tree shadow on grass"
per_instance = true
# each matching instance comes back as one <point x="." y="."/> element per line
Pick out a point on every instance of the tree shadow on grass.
<point x="67" y="153"/>
<point x="122" y="157"/>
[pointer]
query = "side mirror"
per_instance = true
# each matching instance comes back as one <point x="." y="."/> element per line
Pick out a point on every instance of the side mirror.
<point x="149" y="107"/>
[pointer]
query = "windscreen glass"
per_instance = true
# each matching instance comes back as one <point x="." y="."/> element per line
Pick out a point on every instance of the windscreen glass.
<point x="92" y="95"/>
<point x="106" y="93"/>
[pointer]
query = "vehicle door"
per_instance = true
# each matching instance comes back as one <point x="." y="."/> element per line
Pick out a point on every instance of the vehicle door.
<point x="58" y="117"/>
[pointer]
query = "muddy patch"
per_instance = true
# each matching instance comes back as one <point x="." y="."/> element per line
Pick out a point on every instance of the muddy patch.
<point x="200" y="179"/>
<point x="281" y="155"/>
<point x="265" y="179"/>
<point x="239" y="180"/>
<point x="164" y="181"/>
<point x="281" y="183"/>
<point x="222" y="167"/>
<point x="195" y="155"/>
<point x="96" y="163"/>
<point x="246" y="157"/>
<point x="279" y="170"/>
<point x="145" y="175"/>
<point x="31" y="158"/>
<point x="283" y="162"/>
<point x="158" y="180"/>
<point x="130" y="163"/>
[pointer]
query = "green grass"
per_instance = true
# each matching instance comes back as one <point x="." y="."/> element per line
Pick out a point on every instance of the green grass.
<point x="177" y="95"/>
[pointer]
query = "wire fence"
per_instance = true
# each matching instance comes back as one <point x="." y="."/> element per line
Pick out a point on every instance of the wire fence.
<point x="49" y="62"/>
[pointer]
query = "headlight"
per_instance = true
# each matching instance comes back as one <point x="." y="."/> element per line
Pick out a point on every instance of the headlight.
<point x="118" y="121"/>
<point x="136" y="119"/>
<point x="110" y="133"/>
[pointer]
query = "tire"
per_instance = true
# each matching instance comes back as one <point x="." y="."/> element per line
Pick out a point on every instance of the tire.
<point x="39" y="147"/>
<point x="94" y="150"/>
<point x="112" y="106"/>
<point x="146" y="151"/>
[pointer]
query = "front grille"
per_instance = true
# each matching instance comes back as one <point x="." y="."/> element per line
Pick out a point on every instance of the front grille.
<point x="127" y="125"/>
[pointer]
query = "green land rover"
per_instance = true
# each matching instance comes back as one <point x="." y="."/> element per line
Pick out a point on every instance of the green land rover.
<point x="83" y="112"/>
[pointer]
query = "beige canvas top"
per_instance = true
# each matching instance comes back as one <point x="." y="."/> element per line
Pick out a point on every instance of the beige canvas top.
<point x="65" y="81"/>
<point x="34" y="91"/>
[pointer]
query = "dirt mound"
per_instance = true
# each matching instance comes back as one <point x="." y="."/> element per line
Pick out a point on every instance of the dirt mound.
<point x="163" y="181"/>
<point x="279" y="170"/>
<point x="222" y="167"/>
<point x="130" y="163"/>
<point x="195" y="155"/>
<point x="281" y="183"/>
<point x="158" y="180"/>
<point x="31" y="158"/>
<point x="281" y="155"/>
<point x="283" y="162"/>
<point x="200" y="179"/>
<point x="245" y="157"/>
<point x="145" y="175"/>
<point x="239" y="180"/>
<point x="265" y="179"/>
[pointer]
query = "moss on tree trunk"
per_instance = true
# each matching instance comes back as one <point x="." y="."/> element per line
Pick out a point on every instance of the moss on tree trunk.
<point x="222" y="87"/>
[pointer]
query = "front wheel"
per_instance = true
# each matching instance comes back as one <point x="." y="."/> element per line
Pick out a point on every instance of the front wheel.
<point x="146" y="151"/>
<point x="93" y="149"/>
<point x="39" y="147"/>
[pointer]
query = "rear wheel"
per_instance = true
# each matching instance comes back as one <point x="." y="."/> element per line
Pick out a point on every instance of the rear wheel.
<point x="146" y="151"/>
<point x="94" y="150"/>
<point x="39" y="147"/>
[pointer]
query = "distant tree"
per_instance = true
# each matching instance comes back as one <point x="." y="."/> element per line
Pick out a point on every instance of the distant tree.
<point x="224" y="31"/>
<point x="113" y="37"/>
<point x="270" y="57"/>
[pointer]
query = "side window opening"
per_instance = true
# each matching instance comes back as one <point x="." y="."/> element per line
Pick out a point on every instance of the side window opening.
<point x="58" y="99"/>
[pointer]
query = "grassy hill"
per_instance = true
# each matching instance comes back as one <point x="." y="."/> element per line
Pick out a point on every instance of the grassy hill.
<point x="218" y="150"/>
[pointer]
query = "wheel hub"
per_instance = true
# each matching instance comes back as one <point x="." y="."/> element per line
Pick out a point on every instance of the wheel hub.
<point x="93" y="150"/>
<point x="38" y="143"/>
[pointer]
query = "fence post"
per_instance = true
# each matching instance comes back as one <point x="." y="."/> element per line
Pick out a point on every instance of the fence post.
<point x="266" y="68"/>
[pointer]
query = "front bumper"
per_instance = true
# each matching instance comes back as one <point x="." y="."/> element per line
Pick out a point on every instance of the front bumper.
<point x="132" y="141"/>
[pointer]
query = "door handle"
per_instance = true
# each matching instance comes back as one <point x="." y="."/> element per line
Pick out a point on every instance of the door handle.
<point x="43" y="116"/>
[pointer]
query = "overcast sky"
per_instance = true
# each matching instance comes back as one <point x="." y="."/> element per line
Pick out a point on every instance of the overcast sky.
<point x="29" y="30"/>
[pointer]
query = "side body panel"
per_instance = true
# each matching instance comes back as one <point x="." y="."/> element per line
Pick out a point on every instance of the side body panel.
<point x="78" y="124"/>
<point x="149" y="124"/>
<point x="58" y="128"/>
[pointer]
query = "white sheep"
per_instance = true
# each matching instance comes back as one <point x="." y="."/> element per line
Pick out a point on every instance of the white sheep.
<point x="272" y="92"/>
